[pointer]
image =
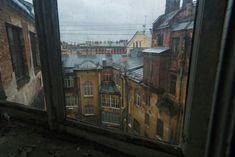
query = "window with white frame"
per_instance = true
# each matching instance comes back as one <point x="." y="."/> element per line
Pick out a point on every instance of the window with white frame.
<point x="71" y="101"/>
<point x="115" y="101"/>
<point x="110" y="101"/>
<point x="88" y="88"/>
<point x="69" y="81"/>
<point x="110" y="117"/>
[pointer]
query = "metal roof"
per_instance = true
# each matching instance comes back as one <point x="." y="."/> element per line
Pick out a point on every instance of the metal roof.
<point x="109" y="88"/>
<point x="164" y="20"/>
<point x="156" y="50"/>
<point x="107" y="44"/>
<point x="88" y="65"/>
<point x="115" y="60"/>
<point x="182" y="26"/>
<point x="137" y="74"/>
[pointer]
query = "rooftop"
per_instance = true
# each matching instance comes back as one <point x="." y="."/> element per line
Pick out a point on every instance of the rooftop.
<point x="137" y="74"/>
<point x="156" y="50"/>
<point x="116" y="60"/>
<point x="164" y="20"/>
<point x="87" y="65"/>
<point x="25" y="6"/>
<point x="182" y="26"/>
<point x="109" y="88"/>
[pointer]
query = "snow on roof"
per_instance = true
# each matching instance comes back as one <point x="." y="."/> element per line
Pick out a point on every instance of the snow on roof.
<point x="156" y="50"/>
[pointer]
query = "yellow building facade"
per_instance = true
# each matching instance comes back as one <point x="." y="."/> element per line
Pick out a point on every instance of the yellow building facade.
<point x="138" y="41"/>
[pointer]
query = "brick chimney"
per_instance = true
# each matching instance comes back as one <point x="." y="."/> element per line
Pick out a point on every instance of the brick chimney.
<point x="172" y="5"/>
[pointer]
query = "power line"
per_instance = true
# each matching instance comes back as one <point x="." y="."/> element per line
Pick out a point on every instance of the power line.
<point x="69" y="24"/>
<point x="75" y="33"/>
<point x="96" y="30"/>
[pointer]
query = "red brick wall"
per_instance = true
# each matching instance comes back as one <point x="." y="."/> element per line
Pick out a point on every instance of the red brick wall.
<point x="5" y="58"/>
<point x="166" y="38"/>
<point x="11" y="14"/>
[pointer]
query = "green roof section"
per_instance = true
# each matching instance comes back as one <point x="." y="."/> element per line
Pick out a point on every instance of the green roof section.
<point x="109" y="88"/>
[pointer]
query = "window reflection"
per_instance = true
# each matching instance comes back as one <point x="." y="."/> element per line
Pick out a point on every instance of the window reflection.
<point x="127" y="76"/>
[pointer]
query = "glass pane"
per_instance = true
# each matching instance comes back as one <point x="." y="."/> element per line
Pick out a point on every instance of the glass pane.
<point x="125" y="63"/>
<point x="20" y="73"/>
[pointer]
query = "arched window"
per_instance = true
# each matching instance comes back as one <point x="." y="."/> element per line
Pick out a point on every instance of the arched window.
<point x="136" y="44"/>
<point x="88" y="89"/>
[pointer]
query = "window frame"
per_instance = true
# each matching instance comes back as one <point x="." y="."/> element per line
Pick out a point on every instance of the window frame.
<point x="24" y="78"/>
<point x="160" y="129"/>
<point x="89" y="107"/>
<point x="35" y="53"/>
<point x="48" y="28"/>
<point x="137" y="98"/>
<point x="160" y="39"/>
<point x="88" y="89"/>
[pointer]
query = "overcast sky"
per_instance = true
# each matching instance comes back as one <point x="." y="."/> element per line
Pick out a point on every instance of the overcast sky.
<point x="82" y="20"/>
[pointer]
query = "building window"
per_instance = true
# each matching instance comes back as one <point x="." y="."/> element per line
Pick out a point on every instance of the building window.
<point x="105" y="100"/>
<point x="110" y="101"/>
<point x="17" y="49"/>
<point x="89" y="109"/>
<point x="159" y="128"/>
<point x="69" y="81"/>
<point x="35" y="51"/>
<point x="140" y="44"/>
<point x="146" y="120"/>
<point x="71" y="101"/>
<point x="107" y="77"/>
<point x="110" y="117"/>
<point x="137" y="99"/>
<point x="172" y="89"/>
<point x="147" y="99"/>
<point x="136" y="43"/>
<point x="175" y="45"/>
<point x="133" y="45"/>
<point x="88" y="89"/>
<point x="160" y="39"/>
<point x="115" y="101"/>
<point x="136" y="127"/>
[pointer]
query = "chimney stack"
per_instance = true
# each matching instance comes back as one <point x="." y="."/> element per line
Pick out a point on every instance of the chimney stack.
<point x="172" y="5"/>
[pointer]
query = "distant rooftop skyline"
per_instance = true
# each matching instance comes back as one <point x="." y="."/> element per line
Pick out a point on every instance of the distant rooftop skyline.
<point x="102" y="20"/>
